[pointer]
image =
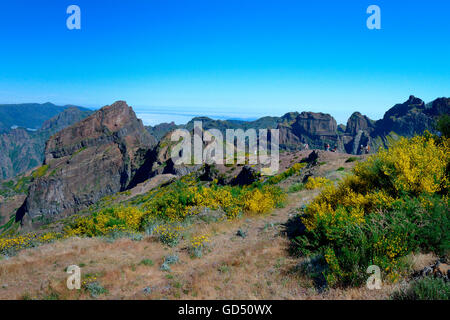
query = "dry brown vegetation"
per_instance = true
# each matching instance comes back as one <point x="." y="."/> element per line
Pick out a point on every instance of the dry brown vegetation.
<point x="257" y="266"/>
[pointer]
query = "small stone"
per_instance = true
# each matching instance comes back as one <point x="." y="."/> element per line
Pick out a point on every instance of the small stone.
<point x="147" y="290"/>
<point x="241" y="233"/>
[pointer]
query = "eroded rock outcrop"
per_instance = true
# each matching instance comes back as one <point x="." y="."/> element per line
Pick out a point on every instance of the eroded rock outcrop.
<point x="314" y="129"/>
<point x="98" y="156"/>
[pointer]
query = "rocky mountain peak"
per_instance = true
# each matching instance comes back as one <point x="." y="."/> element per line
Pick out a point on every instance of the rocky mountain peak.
<point x="358" y="122"/>
<point x="95" y="157"/>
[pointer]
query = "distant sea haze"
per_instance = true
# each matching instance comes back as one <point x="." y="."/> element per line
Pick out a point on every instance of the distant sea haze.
<point x="154" y="116"/>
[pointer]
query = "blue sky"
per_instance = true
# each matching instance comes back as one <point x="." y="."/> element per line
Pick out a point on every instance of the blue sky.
<point x="228" y="58"/>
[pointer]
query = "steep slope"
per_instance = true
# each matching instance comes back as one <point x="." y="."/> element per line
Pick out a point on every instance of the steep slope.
<point x="160" y="130"/>
<point x="97" y="156"/>
<point x="404" y="119"/>
<point x="28" y="115"/>
<point x="23" y="149"/>
<point x="408" y="119"/>
<point x="315" y="129"/>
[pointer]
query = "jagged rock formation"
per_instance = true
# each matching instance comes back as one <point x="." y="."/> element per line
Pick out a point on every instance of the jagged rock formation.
<point x="318" y="129"/>
<point x="357" y="132"/>
<point x="22" y="149"/>
<point x="98" y="156"/>
<point x="160" y="130"/>
<point x="408" y="118"/>
<point x="405" y="119"/>
<point x="111" y="151"/>
<point x="314" y="129"/>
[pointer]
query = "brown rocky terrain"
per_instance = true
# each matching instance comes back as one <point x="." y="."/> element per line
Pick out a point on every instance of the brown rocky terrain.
<point x="111" y="151"/>
<point x="255" y="266"/>
<point x="98" y="156"/>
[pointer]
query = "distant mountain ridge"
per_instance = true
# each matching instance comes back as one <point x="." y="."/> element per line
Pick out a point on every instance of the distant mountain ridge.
<point x="111" y="151"/>
<point x="29" y="115"/>
<point x="22" y="150"/>
<point x="317" y="129"/>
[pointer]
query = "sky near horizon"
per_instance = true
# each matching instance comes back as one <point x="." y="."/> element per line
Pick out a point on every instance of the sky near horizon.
<point x="229" y="58"/>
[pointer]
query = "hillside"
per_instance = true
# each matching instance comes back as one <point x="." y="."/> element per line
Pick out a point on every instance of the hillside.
<point x="318" y="129"/>
<point x="23" y="149"/>
<point x="209" y="256"/>
<point x="29" y="115"/>
<point x="109" y="198"/>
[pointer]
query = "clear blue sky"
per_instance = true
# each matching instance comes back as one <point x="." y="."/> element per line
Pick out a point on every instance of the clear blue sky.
<point x="239" y="57"/>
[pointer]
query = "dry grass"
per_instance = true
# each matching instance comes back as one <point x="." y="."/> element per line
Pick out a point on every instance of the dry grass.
<point x="255" y="267"/>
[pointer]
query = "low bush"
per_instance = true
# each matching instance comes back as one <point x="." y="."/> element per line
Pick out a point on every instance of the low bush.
<point x="296" y="187"/>
<point x="197" y="245"/>
<point x="318" y="182"/>
<point x="393" y="204"/>
<point x="428" y="288"/>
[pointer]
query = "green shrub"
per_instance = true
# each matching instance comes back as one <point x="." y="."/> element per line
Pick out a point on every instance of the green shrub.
<point x="384" y="240"/>
<point x="351" y="159"/>
<point x="443" y="125"/>
<point x="296" y="187"/>
<point x="147" y="262"/>
<point x="393" y="204"/>
<point x="428" y="288"/>
<point x="40" y="172"/>
<point x="95" y="289"/>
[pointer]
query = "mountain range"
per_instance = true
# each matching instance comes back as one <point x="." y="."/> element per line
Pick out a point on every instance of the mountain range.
<point x="23" y="149"/>
<point x="317" y="129"/>
<point x="86" y="155"/>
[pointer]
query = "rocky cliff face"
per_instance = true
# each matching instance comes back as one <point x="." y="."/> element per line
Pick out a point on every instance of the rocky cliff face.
<point x="404" y="119"/>
<point x="98" y="156"/>
<point x="315" y="129"/>
<point x="407" y="118"/>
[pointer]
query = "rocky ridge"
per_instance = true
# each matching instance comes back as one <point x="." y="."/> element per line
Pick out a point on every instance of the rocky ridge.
<point x="98" y="156"/>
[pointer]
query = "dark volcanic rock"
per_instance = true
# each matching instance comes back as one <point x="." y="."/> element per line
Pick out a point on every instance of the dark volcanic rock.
<point x="439" y="107"/>
<point x="357" y="132"/>
<point x="315" y="124"/>
<point x="358" y="122"/>
<point x="96" y="157"/>
<point x="405" y="119"/>
<point x="315" y="129"/>
<point x="160" y="130"/>
<point x="247" y="176"/>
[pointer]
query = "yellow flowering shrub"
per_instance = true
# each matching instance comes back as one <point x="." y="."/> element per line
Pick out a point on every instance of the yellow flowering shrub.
<point x="10" y="245"/>
<point x="294" y="170"/>
<point x="416" y="165"/>
<point x="318" y="182"/>
<point x="107" y="221"/>
<point x="169" y="234"/>
<point x="392" y="204"/>
<point x="165" y="207"/>
<point x="197" y="244"/>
